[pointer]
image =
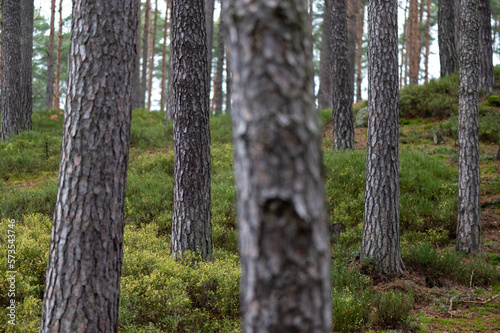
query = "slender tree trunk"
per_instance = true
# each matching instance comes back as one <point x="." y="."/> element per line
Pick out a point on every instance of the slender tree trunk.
<point x="228" y="79"/>
<point x="457" y="12"/>
<point x="50" y="57"/>
<point x="284" y="250"/>
<point x="191" y="223"/>
<point x="137" y="96"/>
<point x="164" y="59"/>
<point x="427" y="41"/>
<point x="446" y="37"/>
<point x="145" y="49"/>
<point x="486" y="74"/>
<point x="10" y="103"/>
<point x="1" y="40"/>
<point x="359" y="48"/>
<point x="325" y="62"/>
<point x="414" y="47"/>
<point x="26" y="72"/>
<point x="469" y="219"/>
<point x="152" y="45"/>
<point x="219" y="95"/>
<point x="381" y="232"/>
<point x="55" y="100"/>
<point x="343" y="127"/>
<point x="209" y="26"/>
<point x="352" y="7"/>
<point x="404" y="50"/>
<point x="85" y="258"/>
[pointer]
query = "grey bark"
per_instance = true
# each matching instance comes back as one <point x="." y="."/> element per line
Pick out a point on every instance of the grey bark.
<point x="145" y="48"/>
<point x="352" y="7"/>
<point x="86" y="250"/>
<point x="137" y="96"/>
<point x="325" y="61"/>
<point x="469" y="219"/>
<point x="381" y="230"/>
<point x="191" y="223"/>
<point x="10" y="104"/>
<point x="486" y="74"/>
<point x="50" y="57"/>
<point x="448" y="55"/>
<point x="284" y="248"/>
<point x="342" y="90"/>
<point x="26" y="72"/>
<point x="229" y="79"/>
<point x="359" y="49"/>
<point x="219" y="95"/>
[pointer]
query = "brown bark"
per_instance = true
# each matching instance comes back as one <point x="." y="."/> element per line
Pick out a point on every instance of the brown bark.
<point x="352" y="7"/>
<point x="83" y="274"/>
<point x="26" y="70"/>
<point x="219" y="95"/>
<point x="402" y="64"/>
<point x="446" y="36"/>
<point x="381" y="231"/>
<point x="414" y="45"/>
<point x="360" y="20"/>
<point x="152" y="44"/>
<point x="343" y="124"/>
<point x="427" y="41"/>
<point x="57" y="95"/>
<point x="164" y="58"/>
<point x="50" y="58"/>
<point x="486" y="74"/>
<point x="325" y="63"/>
<point x="284" y="250"/>
<point x="145" y="49"/>
<point x="191" y="223"/>
<point x="469" y="219"/>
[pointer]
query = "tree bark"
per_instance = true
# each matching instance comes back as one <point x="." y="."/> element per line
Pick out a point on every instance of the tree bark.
<point x="145" y="49"/>
<point x="137" y="96"/>
<point x="343" y="124"/>
<point x="414" y="39"/>
<point x="209" y="26"/>
<point x="55" y="100"/>
<point x="381" y="231"/>
<point x="219" y="95"/>
<point x="446" y="37"/>
<point x="352" y="7"/>
<point x="427" y="41"/>
<point x="325" y="62"/>
<point x="191" y="223"/>
<point x="1" y="40"/>
<point x="469" y="219"/>
<point x="284" y="250"/>
<point x="164" y="59"/>
<point x="402" y="65"/>
<point x="360" y="21"/>
<point x="10" y="102"/>
<point x="85" y="257"/>
<point x="152" y="45"/>
<point x="50" y="58"/>
<point x="229" y="80"/>
<point x="486" y="74"/>
<point x="26" y="72"/>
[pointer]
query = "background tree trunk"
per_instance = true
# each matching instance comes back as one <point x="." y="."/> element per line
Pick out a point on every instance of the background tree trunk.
<point x="1" y="40"/>
<point x="486" y="74"/>
<point x="325" y="63"/>
<point x="26" y="71"/>
<point x="284" y="250"/>
<point x="427" y="41"/>
<point x="360" y="21"/>
<point x="55" y="100"/>
<point x="343" y="127"/>
<point x="446" y="37"/>
<point x="191" y="223"/>
<point x="86" y="251"/>
<point x="209" y="26"/>
<point x="404" y="50"/>
<point x="145" y="49"/>
<point x="469" y="219"/>
<point x="219" y="95"/>
<point x="381" y="231"/>
<point x="414" y="39"/>
<point x="50" y="57"/>
<point x="137" y="96"/>
<point x="10" y="103"/>
<point x="164" y="59"/>
<point x="151" y="57"/>
<point x="352" y="7"/>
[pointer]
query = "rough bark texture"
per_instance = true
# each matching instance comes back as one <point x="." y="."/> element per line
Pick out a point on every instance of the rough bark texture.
<point x="448" y="55"/>
<point x="414" y="46"/>
<point x="85" y="256"/>
<point x="284" y="250"/>
<point x="10" y="104"/>
<point x="469" y="220"/>
<point x="381" y="231"/>
<point x="26" y="73"/>
<point x="152" y="44"/>
<point x="137" y="96"/>
<point x="343" y="124"/>
<point x="360" y="21"/>
<point x="50" y="57"/>
<point x="486" y="75"/>
<point x="56" y="97"/>
<point x="427" y="41"/>
<point x="145" y="49"/>
<point x="191" y="223"/>
<point x="352" y="7"/>
<point x="164" y="60"/>
<point x="219" y="95"/>
<point x="325" y="60"/>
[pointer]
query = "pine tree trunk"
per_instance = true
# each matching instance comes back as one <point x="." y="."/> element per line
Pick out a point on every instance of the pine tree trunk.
<point x="50" y="58"/>
<point x="26" y="70"/>
<point x="219" y="95"/>
<point x="228" y="80"/>
<point x="381" y="231"/>
<point x="152" y="45"/>
<point x="414" y="38"/>
<point x="427" y="41"/>
<point x="446" y="37"/>
<point x="352" y="7"/>
<point x="486" y="74"/>
<point x="10" y="103"/>
<point x="137" y="96"/>
<point x="360" y="21"/>
<point x="403" y="49"/>
<point x="191" y="223"/>
<point x="325" y="63"/>
<point x="145" y="49"/>
<point x="1" y="40"/>
<point x="343" y="124"/>
<point x="85" y="257"/>
<point x="457" y="13"/>
<point x="164" y="59"/>
<point x="284" y="250"/>
<point x="469" y="219"/>
<point x="209" y="26"/>
<point x="55" y="100"/>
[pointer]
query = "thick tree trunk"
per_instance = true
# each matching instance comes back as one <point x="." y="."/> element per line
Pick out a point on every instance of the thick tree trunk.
<point x="414" y="39"/>
<point x="446" y="37"/>
<point x="352" y="7"/>
<point x="360" y="21"/>
<point x="55" y="99"/>
<point x="152" y="44"/>
<point x="486" y="74"/>
<point x="325" y="61"/>
<point x="137" y="96"/>
<point x="191" y="223"/>
<point x="85" y="257"/>
<point x="469" y="219"/>
<point x="10" y="104"/>
<point x="427" y="41"/>
<point x="381" y="231"/>
<point x="50" y="57"/>
<point x="145" y="49"/>
<point x="219" y="95"/>
<point x="163" y="97"/>
<point x="284" y="250"/>
<point x="26" y="72"/>
<point x="343" y="124"/>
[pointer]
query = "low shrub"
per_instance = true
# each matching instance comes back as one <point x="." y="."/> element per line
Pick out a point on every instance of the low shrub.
<point x="393" y="307"/>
